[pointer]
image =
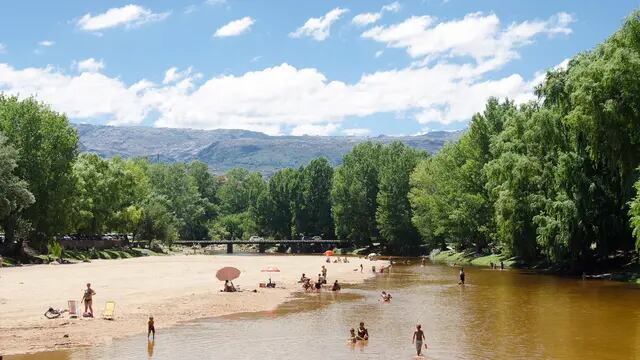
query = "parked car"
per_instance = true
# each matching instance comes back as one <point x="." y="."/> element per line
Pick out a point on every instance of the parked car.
<point x="317" y="237"/>
<point x="256" y="238"/>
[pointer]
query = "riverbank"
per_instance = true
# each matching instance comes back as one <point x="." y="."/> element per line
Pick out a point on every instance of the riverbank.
<point x="470" y="258"/>
<point x="173" y="289"/>
<point x="629" y="272"/>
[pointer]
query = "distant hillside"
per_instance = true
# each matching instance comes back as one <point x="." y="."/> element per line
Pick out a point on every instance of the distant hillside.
<point x="226" y="149"/>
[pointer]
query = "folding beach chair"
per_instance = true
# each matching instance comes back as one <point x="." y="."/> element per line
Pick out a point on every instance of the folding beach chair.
<point x="109" y="309"/>
<point x="73" y="309"/>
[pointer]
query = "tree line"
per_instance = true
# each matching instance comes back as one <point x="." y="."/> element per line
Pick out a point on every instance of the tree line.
<point x="554" y="179"/>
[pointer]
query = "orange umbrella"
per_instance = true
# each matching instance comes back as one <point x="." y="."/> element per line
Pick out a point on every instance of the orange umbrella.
<point x="328" y="253"/>
<point x="228" y="273"/>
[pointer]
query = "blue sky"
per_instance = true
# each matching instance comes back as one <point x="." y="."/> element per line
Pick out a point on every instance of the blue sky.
<point x="291" y="67"/>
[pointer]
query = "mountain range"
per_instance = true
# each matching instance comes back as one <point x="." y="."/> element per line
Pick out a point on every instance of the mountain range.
<point x="224" y="149"/>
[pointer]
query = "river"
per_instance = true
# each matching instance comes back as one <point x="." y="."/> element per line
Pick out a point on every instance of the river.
<point x="497" y="315"/>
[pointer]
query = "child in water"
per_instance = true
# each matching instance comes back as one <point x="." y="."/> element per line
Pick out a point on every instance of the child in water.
<point x="352" y="335"/>
<point x="418" y="338"/>
<point x="151" y="328"/>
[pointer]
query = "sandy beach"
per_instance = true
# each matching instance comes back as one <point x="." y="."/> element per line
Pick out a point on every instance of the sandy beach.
<point x="173" y="289"/>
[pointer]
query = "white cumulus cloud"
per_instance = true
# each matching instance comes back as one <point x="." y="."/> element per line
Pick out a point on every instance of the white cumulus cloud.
<point x="476" y="35"/>
<point x="314" y="130"/>
<point x="46" y="43"/>
<point x="356" y="132"/>
<point x="90" y="65"/>
<point x="3" y="48"/>
<point x="128" y="16"/>
<point x="366" y="19"/>
<point x="287" y="99"/>
<point x="319" y="28"/>
<point x="235" y="27"/>
<point x="370" y="18"/>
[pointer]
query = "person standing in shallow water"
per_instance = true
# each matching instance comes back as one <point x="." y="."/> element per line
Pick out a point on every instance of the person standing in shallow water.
<point x="461" y="282"/>
<point x="418" y="338"/>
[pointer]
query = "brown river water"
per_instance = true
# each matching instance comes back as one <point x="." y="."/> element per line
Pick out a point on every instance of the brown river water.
<point x="497" y="315"/>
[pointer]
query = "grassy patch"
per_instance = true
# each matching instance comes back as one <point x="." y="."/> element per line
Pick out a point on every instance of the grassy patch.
<point x="470" y="258"/>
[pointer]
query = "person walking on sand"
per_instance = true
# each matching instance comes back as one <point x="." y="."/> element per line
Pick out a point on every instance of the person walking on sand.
<point x="87" y="299"/>
<point x="361" y="267"/>
<point x="461" y="282"/>
<point x="418" y="338"/>
<point x="151" y="329"/>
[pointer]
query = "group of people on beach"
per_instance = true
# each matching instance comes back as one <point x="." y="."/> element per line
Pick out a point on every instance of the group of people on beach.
<point x="307" y="285"/>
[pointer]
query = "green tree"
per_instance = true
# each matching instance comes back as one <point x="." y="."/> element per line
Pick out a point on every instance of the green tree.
<point x="14" y="193"/>
<point x="240" y="190"/>
<point x="354" y="194"/>
<point x="157" y="220"/>
<point x="394" y="211"/>
<point x="173" y="183"/>
<point x="312" y="208"/>
<point x="634" y="214"/>
<point x="274" y="207"/>
<point x="47" y="147"/>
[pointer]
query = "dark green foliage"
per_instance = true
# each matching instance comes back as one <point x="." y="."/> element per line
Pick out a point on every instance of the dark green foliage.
<point x="394" y="214"/>
<point x="47" y="147"/>
<point x="312" y="205"/>
<point x="354" y="194"/>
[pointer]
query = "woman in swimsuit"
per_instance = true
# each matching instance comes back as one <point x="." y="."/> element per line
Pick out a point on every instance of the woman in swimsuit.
<point x="87" y="298"/>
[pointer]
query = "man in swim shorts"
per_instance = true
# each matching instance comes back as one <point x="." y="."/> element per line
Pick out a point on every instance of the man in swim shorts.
<point x="363" y="333"/>
<point x="418" y="337"/>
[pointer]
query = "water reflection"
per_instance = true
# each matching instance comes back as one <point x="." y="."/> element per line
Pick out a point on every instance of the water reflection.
<point x="150" y="345"/>
<point x="496" y="315"/>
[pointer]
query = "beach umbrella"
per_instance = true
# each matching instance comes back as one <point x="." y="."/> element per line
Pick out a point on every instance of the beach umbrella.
<point x="228" y="273"/>
<point x="270" y="269"/>
<point x="328" y="253"/>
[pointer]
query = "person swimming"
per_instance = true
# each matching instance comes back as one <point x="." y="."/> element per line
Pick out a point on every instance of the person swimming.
<point x="386" y="297"/>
